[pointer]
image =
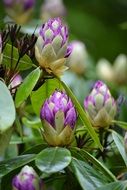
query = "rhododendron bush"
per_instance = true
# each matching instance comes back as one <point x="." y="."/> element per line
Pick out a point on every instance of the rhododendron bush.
<point x="62" y="108"/>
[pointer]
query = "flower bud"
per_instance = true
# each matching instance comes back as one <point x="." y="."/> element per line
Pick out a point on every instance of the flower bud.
<point x="104" y="70"/>
<point x="100" y="105"/>
<point x="58" y="116"/>
<point x="27" y="179"/>
<point x="51" y="47"/>
<point x="77" y="59"/>
<point x="52" y="9"/>
<point x="15" y="82"/>
<point x="19" y="10"/>
<point x="120" y="69"/>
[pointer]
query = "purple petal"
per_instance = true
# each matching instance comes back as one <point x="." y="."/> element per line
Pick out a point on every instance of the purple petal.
<point x="71" y="118"/>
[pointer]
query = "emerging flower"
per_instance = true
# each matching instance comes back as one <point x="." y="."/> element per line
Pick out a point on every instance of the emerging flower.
<point x="52" y="9"/>
<point x="19" y="10"/>
<point x="59" y="117"/>
<point x="51" y="47"/>
<point x="77" y="59"/>
<point x="100" y="105"/>
<point x="16" y="81"/>
<point x="27" y="179"/>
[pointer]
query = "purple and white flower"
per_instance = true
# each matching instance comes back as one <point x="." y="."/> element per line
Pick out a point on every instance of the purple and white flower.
<point x="100" y="105"/>
<point x="59" y="118"/>
<point x="27" y="179"/>
<point x="51" y="49"/>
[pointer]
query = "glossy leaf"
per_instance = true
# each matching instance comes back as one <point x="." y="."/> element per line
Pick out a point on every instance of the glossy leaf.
<point x="38" y="97"/>
<point x="119" y="141"/>
<point x="26" y="87"/>
<point x="101" y="167"/>
<point x="9" y="165"/>
<point x="83" y="116"/>
<point x="53" y="159"/>
<point x="120" y="185"/>
<point x="88" y="178"/>
<point x="7" y="108"/>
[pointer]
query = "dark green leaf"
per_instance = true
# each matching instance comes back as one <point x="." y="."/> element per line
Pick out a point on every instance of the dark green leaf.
<point x="4" y="141"/>
<point x="7" y="109"/>
<point x="88" y="177"/>
<point x="101" y="167"/>
<point x="53" y="159"/>
<point x="119" y="141"/>
<point x="26" y="87"/>
<point x="9" y="165"/>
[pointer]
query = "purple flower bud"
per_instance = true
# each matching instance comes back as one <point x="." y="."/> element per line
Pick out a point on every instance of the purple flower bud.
<point x="54" y="29"/>
<point x="77" y="58"/>
<point x="52" y="9"/>
<point x="15" y="82"/>
<point x="19" y="10"/>
<point x="59" y="101"/>
<point x="52" y="46"/>
<point x="27" y="179"/>
<point x="59" y="114"/>
<point x="100" y="105"/>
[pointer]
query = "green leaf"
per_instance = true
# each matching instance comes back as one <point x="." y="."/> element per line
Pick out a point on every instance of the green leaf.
<point x="38" y="97"/>
<point x="119" y="141"/>
<point x="26" y="87"/>
<point x="35" y="124"/>
<point x="53" y="159"/>
<point x="24" y="63"/>
<point x="7" y="108"/>
<point x="120" y="185"/>
<point x="88" y="178"/>
<point x="121" y="124"/>
<point x="4" y="141"/>
<point x="9" y="165"/>
<point x="83" y="116"/>
<point x="99" y="165"/>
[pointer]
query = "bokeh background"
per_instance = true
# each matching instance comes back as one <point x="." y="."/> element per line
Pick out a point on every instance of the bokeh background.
<point x="102" y="25"/>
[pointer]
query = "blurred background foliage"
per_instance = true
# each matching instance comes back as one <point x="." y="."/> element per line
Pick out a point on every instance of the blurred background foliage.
<point x="101" y="25"/>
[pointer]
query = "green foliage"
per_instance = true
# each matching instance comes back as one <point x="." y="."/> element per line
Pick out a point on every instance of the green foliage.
<point x="26" y="87"/>
<point x="23" y="64"/>
<point x="52" y="160"/>
<point x="38" y="97"/>
<point x="7" y="109"/>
